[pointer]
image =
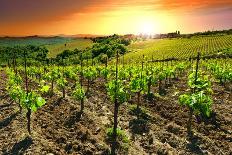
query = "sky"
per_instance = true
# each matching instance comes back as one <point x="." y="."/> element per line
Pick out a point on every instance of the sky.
<point x="105" y="17"/>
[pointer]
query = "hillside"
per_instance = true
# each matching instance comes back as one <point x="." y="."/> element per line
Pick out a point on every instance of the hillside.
<point x="76" y="107"/>
<point x="32" y="40"/>
<point x="55" y="49"/>
<point x="55" y="45"/>
<point x="178" y="48"/>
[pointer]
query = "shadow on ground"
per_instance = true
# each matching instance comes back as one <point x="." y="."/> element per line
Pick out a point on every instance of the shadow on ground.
<point x="20" y="147"/>
<point x="193" y="145"/>
<point x="140" y="124"/>
<point x="74" y="118"/>
<point x="5" y="122"/>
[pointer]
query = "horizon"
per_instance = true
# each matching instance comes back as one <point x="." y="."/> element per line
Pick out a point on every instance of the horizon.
<point x="107" y="17"/>
<point x="84" y="35"/>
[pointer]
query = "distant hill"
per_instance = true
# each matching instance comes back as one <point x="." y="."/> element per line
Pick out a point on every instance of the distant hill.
<point x="81" y="36"/>
<point x="32" y="40"/>
<point x="55" y="44"/>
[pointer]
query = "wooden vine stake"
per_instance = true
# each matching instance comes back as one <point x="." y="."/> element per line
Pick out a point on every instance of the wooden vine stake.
<point x="28" y="114"/>
<point x="189" y="127"/>
<point x="81" y="82"/>
<point x="116" y="107"/>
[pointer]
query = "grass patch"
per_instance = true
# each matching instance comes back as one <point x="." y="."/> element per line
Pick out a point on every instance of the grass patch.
<point x="80" y="44"/>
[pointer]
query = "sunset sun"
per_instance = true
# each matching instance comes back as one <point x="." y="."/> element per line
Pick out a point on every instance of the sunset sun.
<point x="146" y="28"/>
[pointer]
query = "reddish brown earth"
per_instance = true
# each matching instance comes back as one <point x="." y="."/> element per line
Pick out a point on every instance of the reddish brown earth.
<point x="58" y="128"/>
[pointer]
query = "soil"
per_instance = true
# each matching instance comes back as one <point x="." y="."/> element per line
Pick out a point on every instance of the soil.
<point x="59" y="128"/>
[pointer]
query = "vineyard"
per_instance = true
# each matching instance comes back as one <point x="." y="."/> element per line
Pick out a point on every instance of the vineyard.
<point x="178" y="48"/>
<point x="137" y="103"/>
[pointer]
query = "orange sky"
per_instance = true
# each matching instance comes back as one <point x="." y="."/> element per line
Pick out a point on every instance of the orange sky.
<point x="43" y="17"/>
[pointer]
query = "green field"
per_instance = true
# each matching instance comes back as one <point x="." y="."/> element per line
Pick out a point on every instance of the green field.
<point x="55" y="49"/>
<point x="55" y="45"/>
<point x="33" y="40"/>
<point x="178" y="48"/>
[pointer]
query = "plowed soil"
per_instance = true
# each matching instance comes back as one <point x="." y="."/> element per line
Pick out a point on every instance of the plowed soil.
<point x="59" y="128"/>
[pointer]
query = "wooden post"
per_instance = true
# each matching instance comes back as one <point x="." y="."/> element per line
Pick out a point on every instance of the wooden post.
<point x="28" y="114"/>
<point x="81" y="82"/>
<point x="116" y="108"/>
<point x="189" y="123"/>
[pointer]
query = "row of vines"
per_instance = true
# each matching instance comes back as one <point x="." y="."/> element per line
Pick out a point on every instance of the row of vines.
<point x="122" y="82"/>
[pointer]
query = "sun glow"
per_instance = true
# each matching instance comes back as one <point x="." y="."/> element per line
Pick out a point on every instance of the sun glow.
<point x="147" y="27"/>
<point x="125" y="20"/>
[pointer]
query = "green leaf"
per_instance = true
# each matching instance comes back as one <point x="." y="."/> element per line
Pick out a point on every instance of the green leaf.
<point x="45" y="89"/>
<point x="40" y="101"/>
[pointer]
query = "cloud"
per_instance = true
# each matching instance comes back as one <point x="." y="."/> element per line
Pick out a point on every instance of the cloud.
<point x="29" y="10"/>
<point x="72" y="16"/>
<point x="195" y="4"/>
<point x="51" y="10"/>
